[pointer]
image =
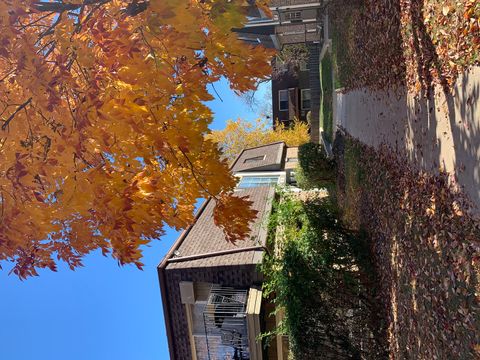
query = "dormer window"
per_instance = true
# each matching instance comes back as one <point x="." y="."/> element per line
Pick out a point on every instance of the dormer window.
<point x="293" y="15"/>
<point x="254" y="159"/>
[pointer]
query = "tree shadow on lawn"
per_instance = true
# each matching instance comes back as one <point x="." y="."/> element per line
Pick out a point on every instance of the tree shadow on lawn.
<point x="367" y="43"/>
<point x="382" y="44"/>
<point x="425" y="249"/>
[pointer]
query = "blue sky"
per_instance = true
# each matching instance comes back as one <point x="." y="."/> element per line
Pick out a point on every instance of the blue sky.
<point x="101" y="311"/>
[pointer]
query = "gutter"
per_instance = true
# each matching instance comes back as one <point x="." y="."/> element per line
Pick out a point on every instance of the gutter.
<point x="216" y="253"/>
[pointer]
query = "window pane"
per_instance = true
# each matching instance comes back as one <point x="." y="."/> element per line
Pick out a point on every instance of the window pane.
<point x="293" y="15"/>
<point x="306" y="97"/>
<point x="256" y="181"/>
<point x="283" y="97"/>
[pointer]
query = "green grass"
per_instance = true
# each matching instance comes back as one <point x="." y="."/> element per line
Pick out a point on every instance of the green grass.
<point x="326" y="108"/>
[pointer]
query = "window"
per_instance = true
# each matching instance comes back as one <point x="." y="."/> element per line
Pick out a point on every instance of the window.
<point x="254" y="159"/>
<point x="256" y="181"/>
<point x="306" y="97"/>
<point x="283" y="100"/>
<point x="293" y="15"/>
<point x="292" y="159"/>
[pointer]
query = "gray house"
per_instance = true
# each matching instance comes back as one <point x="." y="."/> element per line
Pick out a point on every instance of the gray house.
<point x="211" y="289"/>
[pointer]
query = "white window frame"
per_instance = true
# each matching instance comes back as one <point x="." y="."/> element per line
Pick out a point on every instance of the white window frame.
<point x="302" y="98"/>
<point x="293" y="15"/>
<point x="285" y="91"/>
<point x="281" y="176"/>
<point x="257" y="181"/>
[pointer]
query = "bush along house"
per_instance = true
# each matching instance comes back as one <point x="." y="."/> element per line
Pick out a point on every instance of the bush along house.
<point x="211" y="289"/>
<point x="295" y="90"/>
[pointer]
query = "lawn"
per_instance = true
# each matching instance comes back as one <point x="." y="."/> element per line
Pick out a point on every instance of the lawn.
<point x="423" y="240"/>
<point x="417" y="43"/>
<point x="424" y="246"/>
<point x="326" y="108"/>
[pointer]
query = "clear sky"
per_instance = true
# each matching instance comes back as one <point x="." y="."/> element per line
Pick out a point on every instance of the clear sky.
<point x="101" y="311"/>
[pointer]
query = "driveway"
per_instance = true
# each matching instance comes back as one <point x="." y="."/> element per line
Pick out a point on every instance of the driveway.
<point x="441" y="132"/>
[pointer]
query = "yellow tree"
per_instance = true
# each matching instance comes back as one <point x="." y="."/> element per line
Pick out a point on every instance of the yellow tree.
<point x="103" y="124"/>
<point x="241" y="134"/>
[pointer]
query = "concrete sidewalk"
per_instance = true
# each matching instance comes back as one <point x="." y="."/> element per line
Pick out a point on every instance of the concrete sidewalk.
<point x="442" y="132"/>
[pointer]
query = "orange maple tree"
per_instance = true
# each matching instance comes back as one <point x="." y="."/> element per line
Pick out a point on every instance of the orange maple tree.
<point x="103" y="124"/>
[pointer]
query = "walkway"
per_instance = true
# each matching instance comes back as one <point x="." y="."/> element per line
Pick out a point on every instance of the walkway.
<point x="442" y="132"/>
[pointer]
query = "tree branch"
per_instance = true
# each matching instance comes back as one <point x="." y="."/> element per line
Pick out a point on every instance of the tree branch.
<point x="60" y="7"/>
<point x="192" y="169"/>
<point x="132" y="9"/>
<point x="10" y="118"/>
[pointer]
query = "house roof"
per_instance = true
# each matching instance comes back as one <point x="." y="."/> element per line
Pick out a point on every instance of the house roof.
<point x="271" y="158"/>
<point x="206" y="239"/>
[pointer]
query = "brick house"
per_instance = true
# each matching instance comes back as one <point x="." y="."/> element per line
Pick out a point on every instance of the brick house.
<point x="211" y="289"/>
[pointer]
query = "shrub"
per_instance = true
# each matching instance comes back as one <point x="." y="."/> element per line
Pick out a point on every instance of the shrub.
<point x="318" y="274"/>
<point x="314" y="168"/>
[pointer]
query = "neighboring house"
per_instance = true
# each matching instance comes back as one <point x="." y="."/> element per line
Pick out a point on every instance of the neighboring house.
<point x="211" y="289"/>
<point x="293" y="22"/>
<point x="294" y="94"/>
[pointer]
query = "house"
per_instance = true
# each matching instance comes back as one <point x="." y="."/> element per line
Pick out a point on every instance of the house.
<point x="295" y="92"/>
<point x="293" y="22"/>
<point x="292" y="94"/>
<point x="211" y="289"/>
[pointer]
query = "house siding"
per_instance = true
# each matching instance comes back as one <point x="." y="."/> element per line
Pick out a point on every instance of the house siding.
<point x="314" y="85"/>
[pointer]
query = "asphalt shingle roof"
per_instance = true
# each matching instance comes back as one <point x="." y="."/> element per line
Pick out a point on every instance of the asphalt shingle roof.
<point x="205" y="238"/>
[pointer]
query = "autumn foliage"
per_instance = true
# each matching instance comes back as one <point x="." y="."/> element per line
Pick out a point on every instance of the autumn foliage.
<point x="103" y="123"/>
<point x="241" y="134"/>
